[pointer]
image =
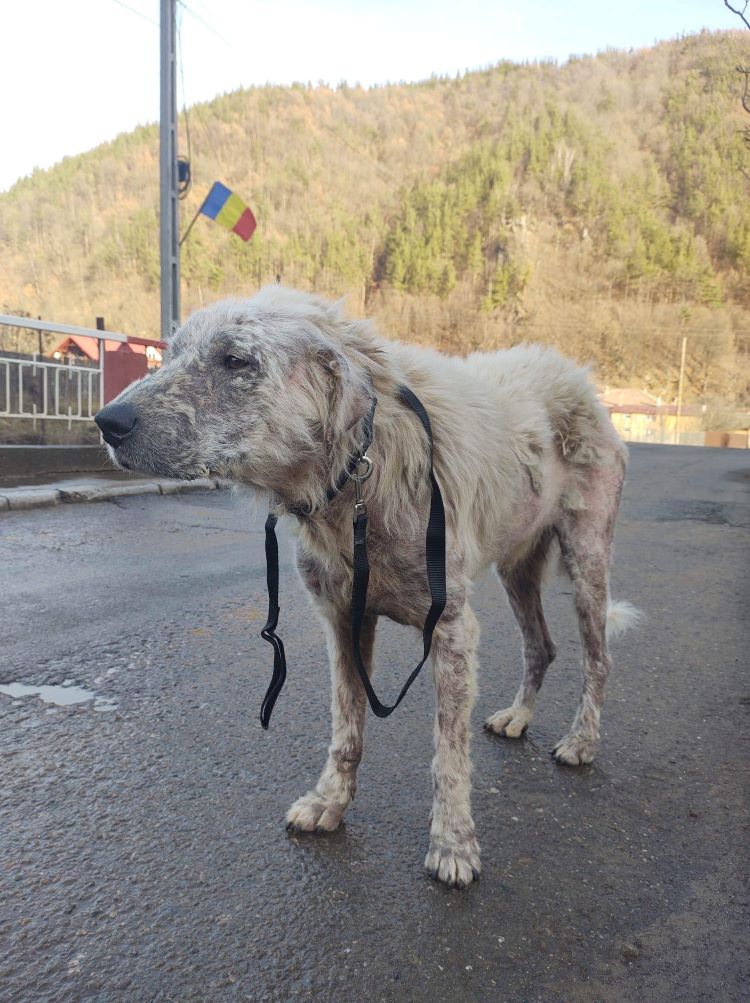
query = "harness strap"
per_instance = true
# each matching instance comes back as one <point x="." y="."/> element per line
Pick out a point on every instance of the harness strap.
<point x="353" y="462"/>
<point x="436" y="575"/>
<point x="351" y="465"/>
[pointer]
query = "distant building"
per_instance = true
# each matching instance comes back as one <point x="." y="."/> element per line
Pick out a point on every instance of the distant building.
<point x="641" y="417"/>
<point x="628" y="397"/>
<point x="80" y="347"/>
<point x="123" y="361"/>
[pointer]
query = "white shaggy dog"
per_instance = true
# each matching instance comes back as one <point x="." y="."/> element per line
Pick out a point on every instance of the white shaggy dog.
<point x="272" y="392"/>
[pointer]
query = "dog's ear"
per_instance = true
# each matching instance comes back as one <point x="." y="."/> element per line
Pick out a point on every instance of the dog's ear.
<point x="348" y="399"/>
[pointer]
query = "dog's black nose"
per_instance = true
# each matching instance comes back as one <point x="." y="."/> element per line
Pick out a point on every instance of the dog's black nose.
<point x="116" y="421"/>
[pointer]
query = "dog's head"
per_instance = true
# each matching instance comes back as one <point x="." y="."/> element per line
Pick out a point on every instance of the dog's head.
<point x="259" y="391"/>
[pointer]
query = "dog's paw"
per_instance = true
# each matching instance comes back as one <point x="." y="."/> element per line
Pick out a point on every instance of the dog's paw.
<point x="313" y="813"/>
<point x="509" y="723"/>
<point x="454" y="866"/>
<point x="575" y="749"/>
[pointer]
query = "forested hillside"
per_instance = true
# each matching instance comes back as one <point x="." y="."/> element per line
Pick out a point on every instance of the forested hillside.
<point x="601" y="206"/>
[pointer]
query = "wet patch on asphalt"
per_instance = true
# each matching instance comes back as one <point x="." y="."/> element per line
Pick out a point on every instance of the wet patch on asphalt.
<point x="65" y="695"/>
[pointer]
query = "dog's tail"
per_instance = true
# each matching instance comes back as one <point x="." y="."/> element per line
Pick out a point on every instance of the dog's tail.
<point x="621" y="616"/>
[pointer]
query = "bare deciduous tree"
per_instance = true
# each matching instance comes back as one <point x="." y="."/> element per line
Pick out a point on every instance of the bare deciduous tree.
<point x="740" y="13"/>
<point x="744" y="70"/>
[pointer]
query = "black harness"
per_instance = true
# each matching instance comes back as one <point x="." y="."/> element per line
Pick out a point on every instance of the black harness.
<point x="358" y="469"/>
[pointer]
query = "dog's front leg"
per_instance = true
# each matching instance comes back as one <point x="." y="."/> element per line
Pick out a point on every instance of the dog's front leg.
<point x="453" y="857"/>
<point x="321" y="810"/>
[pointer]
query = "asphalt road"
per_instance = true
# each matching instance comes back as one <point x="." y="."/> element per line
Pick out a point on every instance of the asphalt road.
<point x="143" y="854"/>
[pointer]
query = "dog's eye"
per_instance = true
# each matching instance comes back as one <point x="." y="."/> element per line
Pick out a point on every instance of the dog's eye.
<point x="233" y="362"/>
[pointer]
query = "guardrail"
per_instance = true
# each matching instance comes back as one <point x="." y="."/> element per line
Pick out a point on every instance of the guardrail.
<point x="41" y="388"/>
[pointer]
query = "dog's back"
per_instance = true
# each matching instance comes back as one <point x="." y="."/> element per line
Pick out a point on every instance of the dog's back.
<point x="558" y="388"/>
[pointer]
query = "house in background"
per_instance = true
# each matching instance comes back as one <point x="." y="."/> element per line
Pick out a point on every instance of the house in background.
<point x="123" y="361"/>
<point x="78" y="347"/>
<point x="628" y="397"/>
<point x="639" y="416"/>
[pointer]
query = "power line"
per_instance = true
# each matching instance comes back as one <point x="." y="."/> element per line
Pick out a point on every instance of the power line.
<point x="360" y="153"/>
<point x="200" y="5"/>
<point x="382" y="172"/>
<point x="138" y="13"/>
<point x="205" y="23"/>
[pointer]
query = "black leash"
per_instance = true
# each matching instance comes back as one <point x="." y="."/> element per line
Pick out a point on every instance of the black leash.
<point x="269" y="631"/>
<point x="272" y="572"/>
<point x="435" y="561"/>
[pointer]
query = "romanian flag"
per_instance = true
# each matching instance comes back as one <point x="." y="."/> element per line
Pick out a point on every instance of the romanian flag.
<point x="229" y="210"/>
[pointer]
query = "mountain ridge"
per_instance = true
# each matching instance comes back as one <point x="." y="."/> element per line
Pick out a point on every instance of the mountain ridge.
<point x="596" y="205"/>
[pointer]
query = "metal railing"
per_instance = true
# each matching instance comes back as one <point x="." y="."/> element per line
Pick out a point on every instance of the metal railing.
<point x="62" y="391"/>
<point x="34" y="389"/>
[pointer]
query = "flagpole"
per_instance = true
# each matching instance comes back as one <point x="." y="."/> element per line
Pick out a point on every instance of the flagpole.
<point x="198" y="211"/>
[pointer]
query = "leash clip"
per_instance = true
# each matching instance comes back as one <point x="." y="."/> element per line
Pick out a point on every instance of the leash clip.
<point x="359" y="478"/>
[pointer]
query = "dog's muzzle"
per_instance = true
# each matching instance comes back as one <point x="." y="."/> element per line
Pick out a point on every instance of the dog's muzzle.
<point x="116" y="422"/>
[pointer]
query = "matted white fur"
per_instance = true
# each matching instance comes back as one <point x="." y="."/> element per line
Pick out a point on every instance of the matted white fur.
<point x="530" y="469"/>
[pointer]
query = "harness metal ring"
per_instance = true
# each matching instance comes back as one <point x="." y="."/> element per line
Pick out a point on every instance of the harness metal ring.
<point x="358" y="477"/>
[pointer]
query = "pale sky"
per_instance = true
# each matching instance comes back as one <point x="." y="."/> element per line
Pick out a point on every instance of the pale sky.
<point x="74" y="73"/>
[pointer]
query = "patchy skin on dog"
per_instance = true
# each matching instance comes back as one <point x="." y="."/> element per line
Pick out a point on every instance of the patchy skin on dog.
<point x="321" y="810"/>
<point x="523" y="582"/>
<point x="530" y="469"/>
<point x="453" y="856"/>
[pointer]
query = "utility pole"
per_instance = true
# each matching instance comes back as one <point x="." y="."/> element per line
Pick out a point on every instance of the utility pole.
<point x="679" y="390"/>
<point x="169" y="241"/>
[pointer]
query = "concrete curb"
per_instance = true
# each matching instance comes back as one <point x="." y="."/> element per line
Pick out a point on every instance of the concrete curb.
<point x="92" y="494"/>
<point x="17" y="498"/>
<point x="66" y="493"/>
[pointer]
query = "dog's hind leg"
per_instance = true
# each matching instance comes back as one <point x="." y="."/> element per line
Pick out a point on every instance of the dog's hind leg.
<point x="585" y="544"/>
<point x="321" y="810"/>
<point x="453" y="856"/>
<point x="523" y="584"/>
